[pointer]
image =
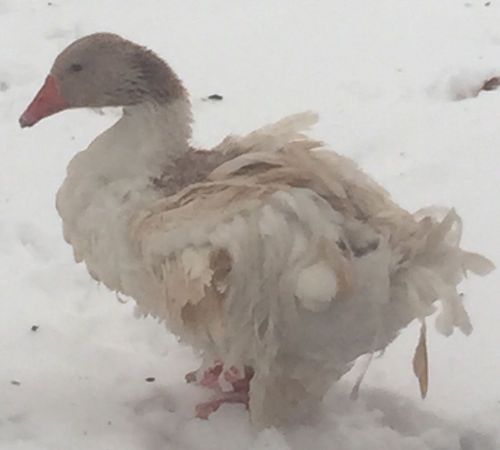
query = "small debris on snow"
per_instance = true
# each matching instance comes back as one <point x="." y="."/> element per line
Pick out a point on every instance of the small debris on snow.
<point x="34" y="327"/>
<point x="469" y="85"/>
<point x="150" y="379"/>
<point x="491" y="84"/>
<point x="213" y="97"/>
<point x="15" y="383"/>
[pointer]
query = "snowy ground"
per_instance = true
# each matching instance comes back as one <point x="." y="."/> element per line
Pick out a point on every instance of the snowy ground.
<point x="395" y="82"/>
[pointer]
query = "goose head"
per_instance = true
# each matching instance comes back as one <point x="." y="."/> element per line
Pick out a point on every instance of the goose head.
<point x="100" y="70"/>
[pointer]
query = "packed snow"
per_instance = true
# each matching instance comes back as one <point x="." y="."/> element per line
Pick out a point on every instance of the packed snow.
<point x="398" y="85"/>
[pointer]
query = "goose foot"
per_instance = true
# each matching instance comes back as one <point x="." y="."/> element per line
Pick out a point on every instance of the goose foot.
<point x="239" y="392"/>
<point x="209" y="378"/>
<point x="240" y="382"/>
<point x="203" y="410"/>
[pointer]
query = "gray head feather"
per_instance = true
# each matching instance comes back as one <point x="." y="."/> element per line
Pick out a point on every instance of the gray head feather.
<point x="103" y="69"/>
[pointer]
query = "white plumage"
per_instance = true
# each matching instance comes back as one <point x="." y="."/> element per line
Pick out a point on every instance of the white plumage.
<point x="269" y="252"/>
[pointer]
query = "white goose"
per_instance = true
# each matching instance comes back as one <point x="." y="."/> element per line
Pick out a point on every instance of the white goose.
<point x="279" y="261"/>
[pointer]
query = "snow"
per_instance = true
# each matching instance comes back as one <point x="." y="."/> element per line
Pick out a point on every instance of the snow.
<point x="395" y="83"/>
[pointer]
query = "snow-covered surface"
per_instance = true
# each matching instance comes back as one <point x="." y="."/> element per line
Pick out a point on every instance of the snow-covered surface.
<point x="385" y="77"/>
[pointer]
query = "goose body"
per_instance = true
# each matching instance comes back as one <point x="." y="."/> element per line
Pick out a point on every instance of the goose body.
<point x="277" y="258"/>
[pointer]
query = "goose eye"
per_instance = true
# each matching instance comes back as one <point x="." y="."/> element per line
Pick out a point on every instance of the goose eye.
<point x="75" y="67"/>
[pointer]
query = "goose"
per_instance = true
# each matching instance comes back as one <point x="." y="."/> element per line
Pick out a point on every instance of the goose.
<point x="275" y="258"/>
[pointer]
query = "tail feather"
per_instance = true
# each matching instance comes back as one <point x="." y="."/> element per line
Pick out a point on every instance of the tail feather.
<point x="436" y="269"/>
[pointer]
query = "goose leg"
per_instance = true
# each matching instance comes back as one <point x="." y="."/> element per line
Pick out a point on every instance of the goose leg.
<point x="203" y="410"/>
<point x="239" y="393"/>
<point x="209" y="378"/>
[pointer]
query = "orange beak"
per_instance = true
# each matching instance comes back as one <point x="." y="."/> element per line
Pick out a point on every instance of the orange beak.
<point x="48" y="101"/>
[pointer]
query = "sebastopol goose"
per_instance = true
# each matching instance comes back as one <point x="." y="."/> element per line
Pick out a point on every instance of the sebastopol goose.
<point x="275" y="258"/>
